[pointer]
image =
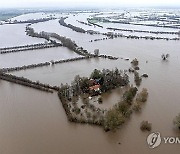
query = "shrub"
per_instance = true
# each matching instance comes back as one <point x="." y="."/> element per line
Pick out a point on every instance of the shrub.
<point x="100" y="100"/>
<point x="77" y="110"/>
<point x="145" y="126"/>
<point x="113" y="119"/>
<point x="88" y="114"/>
<point x="137" y="106"/>
<point x="130" y="94"/>
<point x="135" y="62"/>
<point x="137" y="78"/>
<point x="142" y="96"/>
<point x="96" y="74"/>
<point x="123" y="108"/>
<point x="177" y="121"/>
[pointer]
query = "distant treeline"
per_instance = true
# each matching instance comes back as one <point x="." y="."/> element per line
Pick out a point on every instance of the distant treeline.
<point x="144" y="31"/>
<point x="112" y="35"/>
<point x="31" y="21"/>
<point x="77" y="29"/>
<point x="100" y="19"/>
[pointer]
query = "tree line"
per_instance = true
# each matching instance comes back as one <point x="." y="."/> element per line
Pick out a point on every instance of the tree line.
<point x="77" y="29"/>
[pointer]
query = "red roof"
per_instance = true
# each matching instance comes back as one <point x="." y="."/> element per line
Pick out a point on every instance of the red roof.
<point x="96" y="87"/>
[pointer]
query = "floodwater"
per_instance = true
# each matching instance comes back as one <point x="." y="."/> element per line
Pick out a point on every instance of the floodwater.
<point x="79" y="38"/>
<point x="34" y="122"/>
<point x="65" y="72"/>
<point x="73" y="19"/>
<point x="35" y="56"/>
<point x="162" y="84"/>
<point x="14" y="35"/>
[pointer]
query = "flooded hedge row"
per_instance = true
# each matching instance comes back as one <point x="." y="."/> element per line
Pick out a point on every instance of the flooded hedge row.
<point x="74" y="28"/>
<point x="31" y="21"/>
<point x="112" y="36"/>
<point x="99" y="19"/>
<point x="66" y="42"/>
<point x="27" y="48"/>
<point x="143" y="31"/>
<point x="22" y="46"/>
<point x="53" y="63"/>
<point x="26" y="82"/>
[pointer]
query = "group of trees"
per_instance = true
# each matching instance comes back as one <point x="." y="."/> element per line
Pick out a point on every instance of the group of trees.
<point x="129" y="95"/>
<point x="145" y="126"/>
<point x="77" y="29"/>
<point x="67" y="42"/>
<point x="177" y="121"/>
<point x="140" y="99"/>
<point x="112" y="118"/>
<point x="107" y="79"/>
<point x="110" y="79"/>
<point x="81" y="86"/>
<point x="116" y="116"/>
<point x="134" y="69"/>
<point x="135" y="62"/>
<point x="137" y="78"/>
<point x="33" y="21"/>
<point x="30" y="31"/>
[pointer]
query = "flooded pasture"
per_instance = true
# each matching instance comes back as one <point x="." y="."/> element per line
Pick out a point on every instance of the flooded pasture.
<point x="35" y="56"/>
<point x="14" y="35"/>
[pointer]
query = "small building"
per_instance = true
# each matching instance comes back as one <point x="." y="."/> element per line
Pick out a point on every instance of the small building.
<point x="95" y="88"/>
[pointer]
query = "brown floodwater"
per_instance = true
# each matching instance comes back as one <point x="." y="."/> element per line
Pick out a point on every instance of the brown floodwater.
<point x="35" y="56"/>
<point x="34" y="122"/>
<point x="162" y="106"/>
<point x="14" y="35"/>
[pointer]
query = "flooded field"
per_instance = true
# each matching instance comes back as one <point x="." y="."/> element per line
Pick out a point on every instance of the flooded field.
<point x="35" y="122"/>
<point x="65" y="73"/>
<point x="73" y="19"/>
<point x="80" y="38"/>
<point x="35" y="56"/>
<point x="14" y="35"/>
